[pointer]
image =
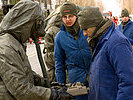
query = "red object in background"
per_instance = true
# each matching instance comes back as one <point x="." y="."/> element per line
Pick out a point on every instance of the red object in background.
<point x="107" y="14"/>
<point x="41" y="40"/>
<point x="110" y="13"/>
<point x="30" y="40"/>
<point x="115" y="20"/>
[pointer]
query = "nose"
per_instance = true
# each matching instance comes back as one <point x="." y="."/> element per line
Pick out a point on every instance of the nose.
<point x="68" y="18"/>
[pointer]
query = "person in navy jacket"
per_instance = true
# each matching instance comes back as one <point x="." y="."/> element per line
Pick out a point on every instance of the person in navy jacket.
<point x="126" y="26"/>
<point x="111" y="67"/>
<point x="71" y="51"/>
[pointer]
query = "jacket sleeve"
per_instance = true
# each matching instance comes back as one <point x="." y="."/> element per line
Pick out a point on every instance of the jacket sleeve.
<point x="122" y="60"/>
<point x="119" y="28"/>
<point x="60" y="67"/>
<point x="131" y="40"/>
<point x="38" y="80"/>
<point x="15" y="72"/>
<point x="130" y="32"/>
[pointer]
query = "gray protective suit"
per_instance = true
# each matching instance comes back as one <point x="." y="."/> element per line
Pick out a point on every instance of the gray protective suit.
<point x="53" y="27"/>
<point x="17" y="81"/>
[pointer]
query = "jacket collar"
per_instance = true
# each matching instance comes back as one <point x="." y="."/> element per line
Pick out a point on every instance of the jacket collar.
<point x="127" y="25"/>
<point x="68" y="34"/>
<point x="107" y="34"/>
<point x="104" y="38"/>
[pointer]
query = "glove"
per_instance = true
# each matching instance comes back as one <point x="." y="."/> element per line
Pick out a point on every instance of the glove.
<point x="40" y="81"/>
<point x="60" y="94"/>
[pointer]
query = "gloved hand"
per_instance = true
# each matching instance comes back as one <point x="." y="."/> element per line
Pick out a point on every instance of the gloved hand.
<point x="60" y="94"/>
<point x="39" y="81"/>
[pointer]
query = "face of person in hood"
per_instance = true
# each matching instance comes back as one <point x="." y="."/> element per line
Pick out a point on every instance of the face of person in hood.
<point x="37" y="29"/>
<point x="24" y="20"/>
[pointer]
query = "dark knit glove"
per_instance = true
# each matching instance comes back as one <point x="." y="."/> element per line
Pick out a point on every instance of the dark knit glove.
<point x="60" y="94"/>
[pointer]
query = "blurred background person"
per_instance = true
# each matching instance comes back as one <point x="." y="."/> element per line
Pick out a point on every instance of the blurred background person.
<point x="52" y="28"/>
<point x="126" y="26"/>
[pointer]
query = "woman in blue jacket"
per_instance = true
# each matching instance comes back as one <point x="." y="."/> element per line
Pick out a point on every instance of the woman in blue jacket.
<point x="71" y="49"/>
<point x="111" y="68"/>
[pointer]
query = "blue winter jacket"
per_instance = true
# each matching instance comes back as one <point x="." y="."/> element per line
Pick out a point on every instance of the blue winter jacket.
<point x="128" y="30"/>
<point x="73" y="55"/>
<point x="111" y="71"/>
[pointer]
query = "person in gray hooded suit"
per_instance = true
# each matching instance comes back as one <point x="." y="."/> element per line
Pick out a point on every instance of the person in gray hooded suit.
<point x="51" y="29"/>
<point x="17" y="80"/>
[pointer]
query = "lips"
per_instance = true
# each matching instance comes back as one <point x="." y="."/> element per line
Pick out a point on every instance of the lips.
<point x="68" y="23"/>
